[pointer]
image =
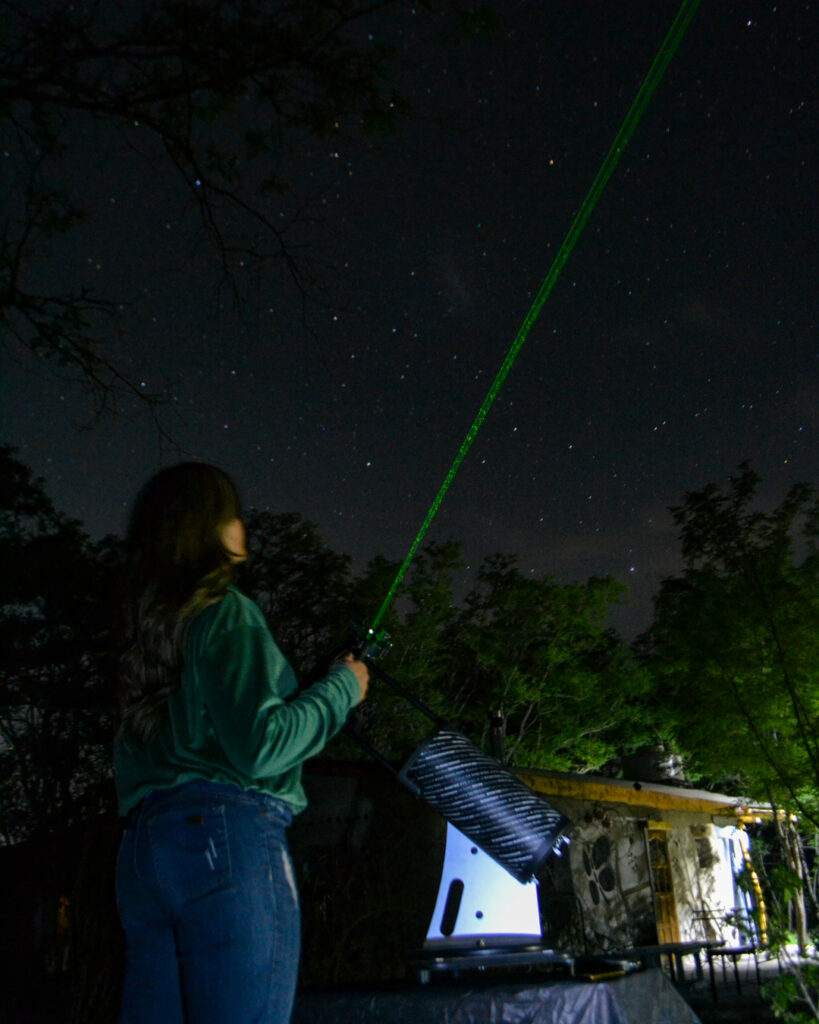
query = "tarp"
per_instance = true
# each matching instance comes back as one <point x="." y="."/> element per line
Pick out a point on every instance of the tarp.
<point x="647" y="997"/>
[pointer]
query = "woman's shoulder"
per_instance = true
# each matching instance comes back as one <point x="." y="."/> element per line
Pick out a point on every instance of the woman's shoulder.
<point x="234" y="611"/>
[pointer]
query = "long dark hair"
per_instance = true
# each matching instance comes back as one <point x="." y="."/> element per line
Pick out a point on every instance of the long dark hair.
<point x="177" y="565"/>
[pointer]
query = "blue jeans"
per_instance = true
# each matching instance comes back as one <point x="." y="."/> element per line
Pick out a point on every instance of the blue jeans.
<point x="207" y="898"/>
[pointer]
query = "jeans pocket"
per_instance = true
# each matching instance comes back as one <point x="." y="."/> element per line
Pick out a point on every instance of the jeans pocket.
<point x="276" y="813"/>
<point x="190" y="851"/>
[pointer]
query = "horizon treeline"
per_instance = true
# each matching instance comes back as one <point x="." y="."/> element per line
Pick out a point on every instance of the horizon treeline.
<point x="725" y="676"/>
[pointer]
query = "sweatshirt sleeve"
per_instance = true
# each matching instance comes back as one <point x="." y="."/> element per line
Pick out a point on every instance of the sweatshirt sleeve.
<point x="244" y="678"/>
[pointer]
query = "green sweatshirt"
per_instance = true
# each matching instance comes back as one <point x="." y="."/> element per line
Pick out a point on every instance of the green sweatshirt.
<point x="231" y="720"/>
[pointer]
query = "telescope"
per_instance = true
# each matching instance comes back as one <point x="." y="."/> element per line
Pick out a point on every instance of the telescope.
<point x="499" y="834"/>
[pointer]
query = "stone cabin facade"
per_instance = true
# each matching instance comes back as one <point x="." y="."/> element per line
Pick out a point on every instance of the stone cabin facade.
<point x="647" y="863"/>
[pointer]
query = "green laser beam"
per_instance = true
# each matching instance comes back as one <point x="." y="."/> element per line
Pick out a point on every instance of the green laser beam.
<point x="661" y="61"/>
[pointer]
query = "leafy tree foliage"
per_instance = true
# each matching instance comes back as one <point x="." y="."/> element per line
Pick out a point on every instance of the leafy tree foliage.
<point x="541" y="653"/>
<point x="735" y="646"/>
<point x="55" y="696"/>
<point x="299" y="583"/>
<point x="536" y="652"/>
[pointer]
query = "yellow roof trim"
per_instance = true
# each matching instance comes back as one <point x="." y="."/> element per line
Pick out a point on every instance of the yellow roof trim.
<point x="639" y="794"/>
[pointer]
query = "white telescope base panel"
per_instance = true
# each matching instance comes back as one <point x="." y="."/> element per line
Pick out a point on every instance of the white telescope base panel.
<point x="479" y="903"/>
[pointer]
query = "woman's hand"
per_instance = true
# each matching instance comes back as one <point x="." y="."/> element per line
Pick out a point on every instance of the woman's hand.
<point x="362" y="673"/>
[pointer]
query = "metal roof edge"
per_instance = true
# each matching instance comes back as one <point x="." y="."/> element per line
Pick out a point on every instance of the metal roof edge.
<point x="653" y="794"/>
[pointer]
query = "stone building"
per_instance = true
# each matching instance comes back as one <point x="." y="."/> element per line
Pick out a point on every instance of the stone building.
<point x="647" y="863"/>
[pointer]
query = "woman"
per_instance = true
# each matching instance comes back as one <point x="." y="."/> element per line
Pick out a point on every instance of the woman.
<point x="208" y="767"/>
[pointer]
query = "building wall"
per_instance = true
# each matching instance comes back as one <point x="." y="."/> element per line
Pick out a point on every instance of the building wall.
<point x="611" y="878"/>
<point x="611" y="883"/>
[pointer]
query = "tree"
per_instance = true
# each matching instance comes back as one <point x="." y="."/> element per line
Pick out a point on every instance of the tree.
<point x="56" y="700"/>
<point x="419" y="625"/>
<point x="210" y="95"/>
<point x="204" y="89"/>
<point x="536" y="651"/>
<point x="737" y="633"/>
<point x="300" y="584"/>
<point x="541" y="653"/>
<point x="734" y="647"/>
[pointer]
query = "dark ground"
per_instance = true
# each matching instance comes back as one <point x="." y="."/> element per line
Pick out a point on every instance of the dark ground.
<point x="48" y="1001"/>
<point x="745" y="1006"/>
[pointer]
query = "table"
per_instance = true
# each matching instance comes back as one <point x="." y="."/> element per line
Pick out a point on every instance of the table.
<point x="733" y="953"/>
<point x="675" y="951"/>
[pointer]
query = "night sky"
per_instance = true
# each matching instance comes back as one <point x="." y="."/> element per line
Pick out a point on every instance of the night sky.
<point x="680" y="339"/>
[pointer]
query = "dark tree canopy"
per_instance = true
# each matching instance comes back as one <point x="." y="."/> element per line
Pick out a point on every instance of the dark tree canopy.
<point x="735" y="642"/>
<point x="300" y="584"/>
<point x="56" y="701"/>
<point x="535" y="651"/>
